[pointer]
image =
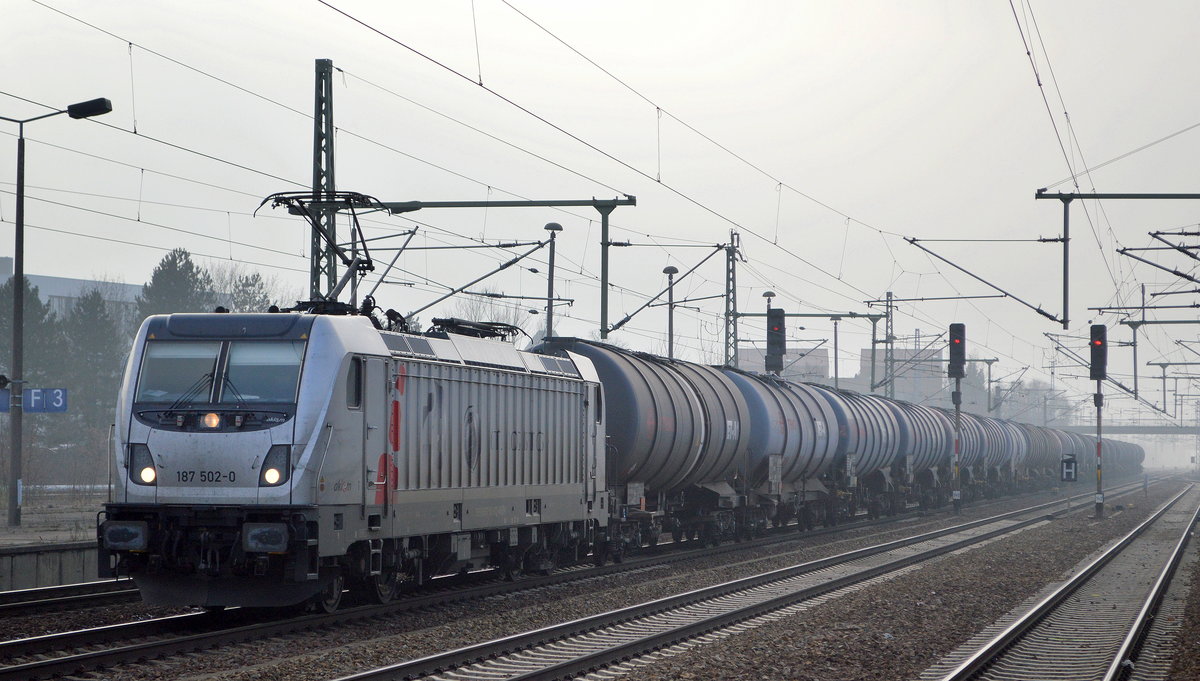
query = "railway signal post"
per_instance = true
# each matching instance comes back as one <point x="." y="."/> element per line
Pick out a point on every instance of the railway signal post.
<point x="957" y="369"/>
<point x="776" y="339"/>
<point x="1099" y="372"/>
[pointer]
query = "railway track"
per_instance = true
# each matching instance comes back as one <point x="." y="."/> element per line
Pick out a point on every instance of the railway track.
<point x="73" y="652"/>
<point x="69" y="596"/>
<point x="592" y="643"/>
<point x="68" y="652"/>
<point x="1094" y="624"/>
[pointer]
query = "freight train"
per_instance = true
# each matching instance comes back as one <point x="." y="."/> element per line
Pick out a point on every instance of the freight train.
<point x="281" y="459"/>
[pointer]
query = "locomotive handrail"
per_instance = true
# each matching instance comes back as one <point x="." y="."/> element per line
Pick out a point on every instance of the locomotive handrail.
<point x="329" y="439"/>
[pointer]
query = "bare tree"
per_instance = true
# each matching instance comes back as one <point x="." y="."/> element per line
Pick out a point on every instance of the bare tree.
<point x="489" y="308"/>
<point x="242" y="288"/>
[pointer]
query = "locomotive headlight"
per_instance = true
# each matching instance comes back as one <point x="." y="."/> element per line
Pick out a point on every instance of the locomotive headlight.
<point x="265" y="537"/>
<point x="125" y="535"/>
<point x="141" y="465"/>
<point x="276" y="466"/>
<point x="211" y="420"/>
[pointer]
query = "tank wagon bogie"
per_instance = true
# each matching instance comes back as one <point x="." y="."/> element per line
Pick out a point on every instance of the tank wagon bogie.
<point x="275" y="459"/>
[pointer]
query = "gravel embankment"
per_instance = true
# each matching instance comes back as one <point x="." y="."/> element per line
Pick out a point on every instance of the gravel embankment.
<point x="335" y="653"/>
<point x="1186" y="665"/>
<point x="898" y="628"/>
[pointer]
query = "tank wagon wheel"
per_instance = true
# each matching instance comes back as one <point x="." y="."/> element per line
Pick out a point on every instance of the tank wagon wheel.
<point x="330" y="597"/>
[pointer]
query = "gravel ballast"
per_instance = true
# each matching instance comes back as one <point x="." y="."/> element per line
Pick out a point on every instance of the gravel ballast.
<point x="1186" y="664"/>
<point x="334" y="653"/>
<point x="895" y="629"/>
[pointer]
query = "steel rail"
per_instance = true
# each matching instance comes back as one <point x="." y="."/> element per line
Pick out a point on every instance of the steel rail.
<point x="47" y="598"/>
<point x="194" y="631"/>
<point x="1123" y="662"/>
<point x="601" y="658"/>
<point x="456" y="659"/>
<point x="179" y="625"/>
<point x="989" y="652"/>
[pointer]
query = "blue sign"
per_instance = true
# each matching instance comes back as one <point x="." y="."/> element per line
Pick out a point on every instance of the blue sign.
<point x="37" y="400"/>
<point x="44" y="400"/>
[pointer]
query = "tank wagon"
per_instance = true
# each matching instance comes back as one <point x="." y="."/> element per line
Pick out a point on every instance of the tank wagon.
<point x="278" y="459"/>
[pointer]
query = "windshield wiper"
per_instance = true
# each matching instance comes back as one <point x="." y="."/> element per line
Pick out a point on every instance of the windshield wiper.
<point x="241" y="399"/>
<point x="190" y="394"/>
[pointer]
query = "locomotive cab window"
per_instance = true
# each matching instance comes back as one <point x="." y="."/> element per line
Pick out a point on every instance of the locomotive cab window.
<point x="177" y="370"/>
<point x="354" y="383"/>
<point x="224" y="372"/>
<point x="262" y="371"/>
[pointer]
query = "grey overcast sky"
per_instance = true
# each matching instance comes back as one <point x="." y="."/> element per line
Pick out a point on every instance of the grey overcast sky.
<point x="822" y="132"/>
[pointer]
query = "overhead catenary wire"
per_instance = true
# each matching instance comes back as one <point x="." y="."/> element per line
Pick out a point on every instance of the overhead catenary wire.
<point x="901" y="273"/>
<point x="247" y="90"/>
<point x="619" y="161"/>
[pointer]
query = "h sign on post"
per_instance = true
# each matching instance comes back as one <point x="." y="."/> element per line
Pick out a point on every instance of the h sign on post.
<point x="1070" y="469"/>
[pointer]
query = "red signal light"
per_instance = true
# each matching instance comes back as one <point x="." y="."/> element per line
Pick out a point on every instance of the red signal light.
<point x="1099" y="347"/>
<point x="958" y="351"/>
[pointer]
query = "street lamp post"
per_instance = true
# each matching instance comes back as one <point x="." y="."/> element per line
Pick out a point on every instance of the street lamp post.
<point x="93" y="107"/>
<point x="670" y="271"/>
<point x="554" y="228"/>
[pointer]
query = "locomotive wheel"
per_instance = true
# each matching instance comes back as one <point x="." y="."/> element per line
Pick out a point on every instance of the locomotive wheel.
<point x="509" y="566"/>
<point x="381" y="588"/>
<point x="330" y="597"/>
<point x="677" y="535"/>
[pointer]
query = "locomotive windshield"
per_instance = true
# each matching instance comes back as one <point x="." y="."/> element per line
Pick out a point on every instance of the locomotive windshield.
<point x="245" y="372"/>
<point x="172" y="369"/>
<point x="262" y="371"/>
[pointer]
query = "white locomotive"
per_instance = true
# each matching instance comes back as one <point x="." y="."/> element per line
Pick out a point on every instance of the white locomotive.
<point x="266" y="459"/>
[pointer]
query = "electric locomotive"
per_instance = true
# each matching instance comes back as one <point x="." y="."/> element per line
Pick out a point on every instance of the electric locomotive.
<point x="274" y="459"/>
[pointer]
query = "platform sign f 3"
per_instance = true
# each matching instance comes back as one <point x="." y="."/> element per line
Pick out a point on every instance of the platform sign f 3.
<point x="44" y="400"/>
<point x="37" y="400"/>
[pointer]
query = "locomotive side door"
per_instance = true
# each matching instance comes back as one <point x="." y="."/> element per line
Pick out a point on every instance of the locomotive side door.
<point x="377" y="461"/>
<point x="341" y="470"/>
